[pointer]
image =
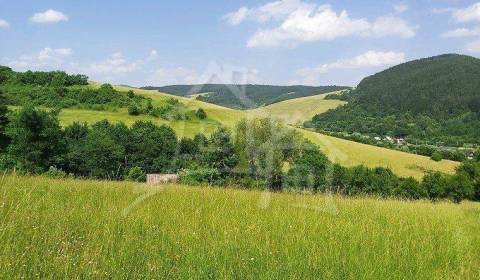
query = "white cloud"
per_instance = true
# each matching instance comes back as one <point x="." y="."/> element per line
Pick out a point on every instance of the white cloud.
<point x="304" y="25"/>
<point x="390" y="25"/>
<point x="55" y="54"/>
<point x="235" y="18"/>
<point x="49" y="16"/>
<point x="45" y="59"/>
<point x="305" y="22"/>
<point x="272" y="10"/>
<point x="471" y="13"/>
<point x="473" y="47"/>
<point x="116" y="64"/>
<point x="369" y="59"/>
<point x="462" y="32"/>
<point x="400" y="8"/>
<point x="4" y="24"/>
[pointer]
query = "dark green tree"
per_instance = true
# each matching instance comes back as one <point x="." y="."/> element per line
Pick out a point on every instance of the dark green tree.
<point x="459" y="187"/>
<point x="152" y="148"/>
<point x="75" y="136"/>
<point x="409" y="188"/>
<point x="220" y="152"/>
<point x="200" y="113"/>
<point x="104" y="158"/>
<point x="36" y="141"/>
<point x="435" y="184"/>
<point x="3" y="121"/>
<point x="309" y="170"/>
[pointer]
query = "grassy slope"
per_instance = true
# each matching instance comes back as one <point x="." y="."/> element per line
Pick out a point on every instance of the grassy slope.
<point x="298" y="110"/>
<point x="341" y="151"/>
<point x="76" y="229"/>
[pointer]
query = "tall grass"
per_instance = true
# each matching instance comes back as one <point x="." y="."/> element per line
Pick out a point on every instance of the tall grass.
<point x="86" y="229"/>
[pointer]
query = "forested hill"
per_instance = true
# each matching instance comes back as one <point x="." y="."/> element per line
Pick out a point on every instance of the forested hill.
<point x="435" y="99"/>
<point x="245" y="96"/>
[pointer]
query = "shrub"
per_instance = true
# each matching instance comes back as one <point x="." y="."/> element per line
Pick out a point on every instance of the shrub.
<point x="136" y="174"/>
<point x="435" y="183"/>
<point x="133" y="110"/>
<point x="202" y="175"/>
<point x="56" y="173"/>
<point x="459" y="187"/>
<point x="200" y="113"/>
<point x="131" y="94"/>
<point x="409" y="188"/>
<point x="436" y="156"/>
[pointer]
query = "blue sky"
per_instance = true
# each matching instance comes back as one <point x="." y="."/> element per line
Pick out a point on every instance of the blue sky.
<point x="268" y="42"/>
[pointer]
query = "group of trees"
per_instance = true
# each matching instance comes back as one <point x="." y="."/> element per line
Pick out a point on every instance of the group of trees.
<point x="40" y="78"/>
<point x="434" y="100"/>
<point x="262" y="154"/>
<point x="59" y="90"/>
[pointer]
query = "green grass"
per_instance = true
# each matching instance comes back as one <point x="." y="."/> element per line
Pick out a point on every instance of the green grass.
<point x="183" y="128"/>
<point x="69" y="229"/>
<point x="349" y="153"/>
<point x="299" y="110"/>
<point x="341" y="151"/>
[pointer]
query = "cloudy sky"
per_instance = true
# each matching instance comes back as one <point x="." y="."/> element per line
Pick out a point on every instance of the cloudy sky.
<point x="278" y="42"/>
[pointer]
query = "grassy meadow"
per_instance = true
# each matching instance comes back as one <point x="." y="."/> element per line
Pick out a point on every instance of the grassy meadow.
<point x="293" y="111"/>
<point x="298" y="110"/>
<point x="75" y="229"/>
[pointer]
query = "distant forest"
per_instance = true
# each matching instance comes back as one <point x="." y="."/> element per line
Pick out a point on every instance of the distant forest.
<point x="434" y="101"/>
<point x="245" y="96"/>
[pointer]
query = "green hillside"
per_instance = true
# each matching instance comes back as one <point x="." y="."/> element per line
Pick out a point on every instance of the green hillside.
<point x="244" y="96"/>
<point x="433" y="100"/>
<point x="182" y="119"/>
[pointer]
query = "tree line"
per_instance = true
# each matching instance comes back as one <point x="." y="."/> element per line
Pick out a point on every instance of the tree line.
<point x="260" y="154"/>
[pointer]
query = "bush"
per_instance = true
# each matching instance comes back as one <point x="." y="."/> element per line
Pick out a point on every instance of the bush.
<point x="133" y="110"/>
<point x="459" y="188"/>
<point x="436" y="156"/>
<point x="203" y="175"/>
<point x="56" y="173"/>
<point x="136" y="174"/>
<point x="410" y="189"/>
<point x="131" y="94"/>
<point x="435" y="183"/>
<point x="201" y="114"/>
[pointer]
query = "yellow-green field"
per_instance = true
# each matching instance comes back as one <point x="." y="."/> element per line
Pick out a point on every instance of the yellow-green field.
<point x="69" y="229"/>
<point x="299" y="110"/>
<point x="350" y="153"/>
<point x="341" y="151"/>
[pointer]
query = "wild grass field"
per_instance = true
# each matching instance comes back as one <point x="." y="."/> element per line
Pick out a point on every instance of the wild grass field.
<point x="340" y="151"/>
<point x="298" y="110"/>
<point x="71" y="229"/>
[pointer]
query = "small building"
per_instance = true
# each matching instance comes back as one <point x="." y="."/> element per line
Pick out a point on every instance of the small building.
<point x="155" y="179"/>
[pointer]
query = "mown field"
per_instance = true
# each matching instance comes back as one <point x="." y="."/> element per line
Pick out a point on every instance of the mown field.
<point x="341" y="151"/>
<point x="70" y="229"/>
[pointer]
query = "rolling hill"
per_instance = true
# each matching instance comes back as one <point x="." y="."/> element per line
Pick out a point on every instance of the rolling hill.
<point x="341" y="151"/>
<point x="434" y="100"/>
<point x="291" y="112"/>
<point x="244" y="96"/>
